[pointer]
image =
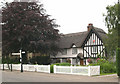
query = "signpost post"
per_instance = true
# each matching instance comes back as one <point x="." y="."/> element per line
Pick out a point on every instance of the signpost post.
<point x="20" y="54"/>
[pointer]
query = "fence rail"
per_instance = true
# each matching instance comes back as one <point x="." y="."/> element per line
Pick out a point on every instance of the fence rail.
<point x="33" y="68"/>
<point x="78" y="70"/>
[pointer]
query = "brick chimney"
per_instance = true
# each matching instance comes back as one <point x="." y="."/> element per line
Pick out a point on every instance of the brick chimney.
<point x="90" y="26"/>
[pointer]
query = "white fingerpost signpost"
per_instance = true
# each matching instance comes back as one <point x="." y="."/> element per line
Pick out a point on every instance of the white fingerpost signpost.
<point x="20" y="54"/>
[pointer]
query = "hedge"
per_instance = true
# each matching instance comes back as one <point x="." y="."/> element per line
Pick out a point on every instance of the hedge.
<point x="58" y="64"/>
<point x="118" y="61"/>
<point x="41" y="60"/>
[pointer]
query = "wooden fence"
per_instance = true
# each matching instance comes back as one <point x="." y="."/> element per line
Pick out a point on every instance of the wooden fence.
<point x="78" y="70"/>
<point x="37" y="68"/>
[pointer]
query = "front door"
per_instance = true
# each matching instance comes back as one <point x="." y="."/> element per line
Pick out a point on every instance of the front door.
<point x="81" y="61"/>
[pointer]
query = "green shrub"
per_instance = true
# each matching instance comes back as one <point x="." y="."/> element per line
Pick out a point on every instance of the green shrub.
<point x="51" y="68"/>
<point x="64" y="64"/>
<point x="58" y="64"/>
<point x="90" y="61"/>
<point x="108" y="68"/>
<point x="105" y="66"/>
<point x="118" y="61"/>
<point x="41" y="60"/>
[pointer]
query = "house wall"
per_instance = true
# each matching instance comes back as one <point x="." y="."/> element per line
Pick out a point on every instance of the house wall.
<point x="94" y="43"/>
<point x="69" y="53"/>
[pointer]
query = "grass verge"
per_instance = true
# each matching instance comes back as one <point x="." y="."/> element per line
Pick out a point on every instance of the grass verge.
<point x="107" y="73"/>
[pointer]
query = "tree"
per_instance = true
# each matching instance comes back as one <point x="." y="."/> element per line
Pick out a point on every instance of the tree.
<point x="118" y="61"/>
<point x="112" y="24"/>
<point x="27" y="26"/>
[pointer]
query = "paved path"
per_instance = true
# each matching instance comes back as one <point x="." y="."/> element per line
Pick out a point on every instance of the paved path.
<point x="16" y="76"/>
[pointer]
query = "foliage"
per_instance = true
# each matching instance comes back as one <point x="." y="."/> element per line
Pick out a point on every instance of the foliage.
<point x="97" y="59"/>
<point x="58" y="64"/>
<point x="113" y="23"/>
<point x="118" y="61"/>
<point x="64" y="64"/>
<point x="51" y="68"/>
<point x="112" y="18"/>
<point x="41" y="60"/>
<point x="111" y="43"/>
<point x="105" y="66"/>
<point x="89" y="60"/>
<point x="24" y="58"/>
<point x="27" y="26"/>
<point x="9" y="60"/>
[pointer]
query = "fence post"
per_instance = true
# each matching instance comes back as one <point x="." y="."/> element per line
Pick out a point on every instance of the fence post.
<point x="89" y="73"/>
<point x="54" y="69"/>
<point x="71" y="69"/>
<point x="99" y="69"/>
<point x="48" y="68"/>
<point x="37" y="68"/>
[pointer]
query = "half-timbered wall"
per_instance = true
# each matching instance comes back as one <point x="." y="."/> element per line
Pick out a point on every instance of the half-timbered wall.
<point x="93" y="46"/>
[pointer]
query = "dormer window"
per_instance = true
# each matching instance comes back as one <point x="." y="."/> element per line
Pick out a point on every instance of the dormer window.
<point x="73" y="46"/>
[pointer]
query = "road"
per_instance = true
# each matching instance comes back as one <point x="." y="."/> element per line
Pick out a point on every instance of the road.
<point x="16" y="76"/>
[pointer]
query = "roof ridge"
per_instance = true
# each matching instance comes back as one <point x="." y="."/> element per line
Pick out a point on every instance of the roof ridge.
<point x="99" y="30"/>
<point x="77" y="33"/>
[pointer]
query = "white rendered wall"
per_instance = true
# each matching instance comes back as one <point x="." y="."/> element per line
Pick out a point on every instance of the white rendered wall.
<point x="69" y="53"/>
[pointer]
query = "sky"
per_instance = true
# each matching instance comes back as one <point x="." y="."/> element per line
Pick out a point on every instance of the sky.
<point x="74" y="15"/>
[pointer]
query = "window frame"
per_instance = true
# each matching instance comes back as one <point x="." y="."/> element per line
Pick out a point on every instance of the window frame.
<point x="74" y="51"/>
<point x="94" y="49"/>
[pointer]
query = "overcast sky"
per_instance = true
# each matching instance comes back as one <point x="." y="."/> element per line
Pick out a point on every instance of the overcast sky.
<point x="74" y="15"/>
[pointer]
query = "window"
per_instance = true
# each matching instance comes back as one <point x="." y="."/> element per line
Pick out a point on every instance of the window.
<point x="64" y="52"/>
<point x="74" y="50"/>
<point x="94" y="49"/>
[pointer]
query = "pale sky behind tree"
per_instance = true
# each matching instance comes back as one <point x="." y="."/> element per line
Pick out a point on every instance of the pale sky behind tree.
<point x="74" y="15"/>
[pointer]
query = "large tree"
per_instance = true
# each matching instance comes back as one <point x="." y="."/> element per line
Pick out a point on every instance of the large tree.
<point x="112" y="24"/>
<point x="27" y="26"/>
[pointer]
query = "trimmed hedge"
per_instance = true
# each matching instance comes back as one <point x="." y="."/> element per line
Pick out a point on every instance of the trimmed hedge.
<point x="118" y="61"/>
<point x="58" y="64"/>
<point x="41" y="60"/>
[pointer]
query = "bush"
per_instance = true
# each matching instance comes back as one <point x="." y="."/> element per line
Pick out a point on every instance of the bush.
<point x="64" y="64"/>
<point x="118" y="61"/>
<point x="105" y="66"/>
<point x="41" y="60"/>
<point x="58" y="64"/>
<point x="89" y="61"/>
<point x="51" y="68"/>
<point x="108" y="68"/>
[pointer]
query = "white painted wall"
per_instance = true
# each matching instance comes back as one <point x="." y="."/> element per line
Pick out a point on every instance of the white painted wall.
<point x="69" y="53"/>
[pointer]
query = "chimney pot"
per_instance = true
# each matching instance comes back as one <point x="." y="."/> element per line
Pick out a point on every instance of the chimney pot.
<point x="90" y="26"/>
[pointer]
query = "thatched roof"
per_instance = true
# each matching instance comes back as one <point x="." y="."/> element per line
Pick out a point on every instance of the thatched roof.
<point x="77" y="39"/>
